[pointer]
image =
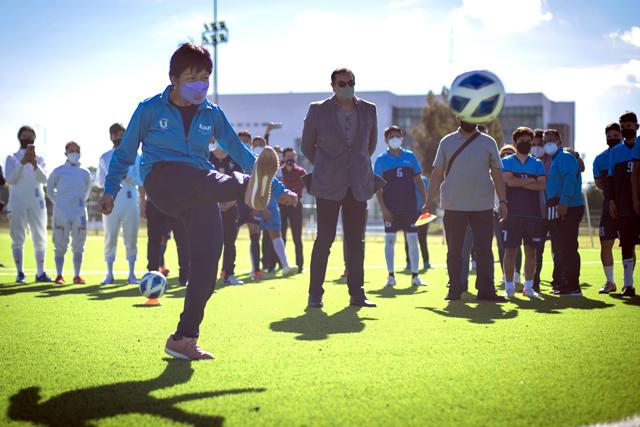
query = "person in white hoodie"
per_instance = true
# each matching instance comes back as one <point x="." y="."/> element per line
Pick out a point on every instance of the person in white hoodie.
<point x="68" y="188"/>
<point x="126" y="213"/>
<point x="25" y="174"/>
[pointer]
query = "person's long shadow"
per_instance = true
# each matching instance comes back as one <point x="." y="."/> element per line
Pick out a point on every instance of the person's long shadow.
<point x="549" y="304"/>
<point x="474" y="312"/>
<point x="628" y="301"/>
<point x="392" y="291"/>
<point x="14" y="289"/>
<point x="315" y="324"/>
<point x="83" y="407"/>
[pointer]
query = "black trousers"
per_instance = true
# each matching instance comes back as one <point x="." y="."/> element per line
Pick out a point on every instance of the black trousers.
<point x="354" y="214"/>
<point x="230" y="227"/>
<point x="422" y="241"/>
<point x="540" y="253"/>
<point x="269" y="256"/>
<point x="192" y="195"/>
<point x="455" y="224"/>
<point x="292" y="215"/>
<point x="158" y="224"/>
<point x="566" y="259"/>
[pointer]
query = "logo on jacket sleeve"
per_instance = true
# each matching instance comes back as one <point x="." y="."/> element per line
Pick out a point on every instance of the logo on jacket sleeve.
<point x="204" y="129"/>
<point x="164" y="123"/>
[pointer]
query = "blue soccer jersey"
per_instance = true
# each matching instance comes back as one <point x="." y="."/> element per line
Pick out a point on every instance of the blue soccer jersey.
<point x="425" y="181"/>
<point x="399" y="172"/>
<point x="635" y="152"/>
<point x="620" y="169"/>
<point x="523" y="202"/>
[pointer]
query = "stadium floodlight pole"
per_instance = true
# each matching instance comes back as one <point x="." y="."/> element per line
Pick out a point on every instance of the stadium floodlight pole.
<point x="214" y="34"/>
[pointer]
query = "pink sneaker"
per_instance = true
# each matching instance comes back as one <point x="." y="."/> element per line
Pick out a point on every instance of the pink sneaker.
<point x="186" y="348"/>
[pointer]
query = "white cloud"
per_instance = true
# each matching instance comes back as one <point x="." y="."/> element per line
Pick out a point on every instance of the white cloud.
<point x="404" y="4"/>
<point x="631" y="36"/>
<point x="503" y="16"/>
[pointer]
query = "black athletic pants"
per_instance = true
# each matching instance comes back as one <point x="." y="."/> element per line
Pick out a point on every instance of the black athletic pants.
<point x="566" y="259"/>
<point x="158" y="224"/>
<point x="230" y="227"/>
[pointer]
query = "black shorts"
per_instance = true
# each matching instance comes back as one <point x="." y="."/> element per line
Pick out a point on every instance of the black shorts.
<point x="608" y="227"/>
<point x="402" y="221"/>
<point x="629" y="228"/>
<point x="517" y="229"/>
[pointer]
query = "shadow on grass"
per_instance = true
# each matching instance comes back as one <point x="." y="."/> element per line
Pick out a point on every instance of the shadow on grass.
<point x="481" y="312"/>
<point x="628" y="301"/>
<point x="83" y="407"/>
<point x="315" y="324"/>
<point x="392" y="291"/>
<point x="550" y="304"/>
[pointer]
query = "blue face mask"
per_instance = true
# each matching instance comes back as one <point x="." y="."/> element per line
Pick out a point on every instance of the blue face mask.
<point x="194" y="92"/>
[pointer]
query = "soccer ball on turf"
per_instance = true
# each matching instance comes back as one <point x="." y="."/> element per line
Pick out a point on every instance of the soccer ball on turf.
<point x="153" y="285"/>
<point x="476" y="96"/>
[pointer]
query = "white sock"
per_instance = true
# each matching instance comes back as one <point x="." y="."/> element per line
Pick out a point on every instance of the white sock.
<point x="278" y="246"/>
<point x="59" y="259"/>
<point x="509" y="285"/>
<point x="77" y="263"/>
<point x="528" y="284"/>
<point x="608" y="271"/>
<point x="414" y="254"/>
<point x="132" y="267"/>
<point x="110" y="268"/>
<point x="628" y="265"/>
<point x="389" y="248"/>
<point x="39" y="261"/>
<point x="17" y="258"/>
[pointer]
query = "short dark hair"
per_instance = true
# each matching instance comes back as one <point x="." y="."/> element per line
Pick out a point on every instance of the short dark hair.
<point x="537" y="134"/>
<point x="245" y="133"/>
<point x="261" y="138"/>
<point x="521" y="131"/>
<point x="340" y="71"/>
<point x="25" y="128"/>
<point x="393" y="128"/>
<point x="554" y="132"/>
<point x="69" y="144"/>
<point x="628" y="116"/>
<point x="612" y="126"/>
<point x="188" y="56"/>
<point x="287" y="150"/>
<point x="116" y="127"/>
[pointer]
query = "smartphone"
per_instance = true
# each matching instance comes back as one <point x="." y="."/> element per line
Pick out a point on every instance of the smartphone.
<point x="275" y="125"/>
<point x="31" y="148"/>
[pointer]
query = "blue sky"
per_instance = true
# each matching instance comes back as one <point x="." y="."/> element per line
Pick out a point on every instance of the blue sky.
<point x="71" y="68"/>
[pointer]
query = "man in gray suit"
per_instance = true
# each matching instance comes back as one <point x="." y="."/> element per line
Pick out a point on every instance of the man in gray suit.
<point x="340" y="135"/>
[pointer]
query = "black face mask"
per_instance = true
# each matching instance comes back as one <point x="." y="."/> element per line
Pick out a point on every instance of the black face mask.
<point x="468" y="127"/>
<point x="524" y="147"/>
<point x="116" y="142"/>
<point x="628" y="133"/>
<point x="25" y="142"/>
<point x="612" y="141"/>
<point x="290" y="162"/>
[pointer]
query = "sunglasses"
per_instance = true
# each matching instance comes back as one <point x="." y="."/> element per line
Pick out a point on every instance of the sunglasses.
<point x="343" y="84"/>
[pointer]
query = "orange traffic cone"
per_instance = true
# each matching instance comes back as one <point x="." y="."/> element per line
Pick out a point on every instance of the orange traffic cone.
<point x="152" y="302"/>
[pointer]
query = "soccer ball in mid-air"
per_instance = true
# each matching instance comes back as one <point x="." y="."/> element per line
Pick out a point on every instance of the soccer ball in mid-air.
<point x="153" y="285"/>
<point x="476" y="96"/>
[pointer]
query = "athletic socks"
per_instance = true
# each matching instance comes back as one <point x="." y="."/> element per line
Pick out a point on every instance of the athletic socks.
<point x="110" y="268"/>
<point x="608" y="272"/>
<point x="278" y="247"/>
<point x="255" y="251"/>
<point x="389" y="247"/>
<point x="77" y="263"/>
<point x="59" y="259"/>
<point x="39" y="261"/>
<point x="628" y="265"/>
<point x="528" y="284"/>
<point x="414" y="254"/>
<point x="132" y="266"/>
<point x="17" y="259"/>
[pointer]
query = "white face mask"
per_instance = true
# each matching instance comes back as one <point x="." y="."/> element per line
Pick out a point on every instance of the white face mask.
<point x="395" y="143"/>
<point x="537" y="151"/>
<point x="73" y="158"/>
<point x="550" y="148"/>
<point x="258" y="150"/>
<point x="213" y="147"/>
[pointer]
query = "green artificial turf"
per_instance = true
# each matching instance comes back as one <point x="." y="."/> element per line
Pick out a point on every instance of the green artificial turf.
<point x="81" y="355"/>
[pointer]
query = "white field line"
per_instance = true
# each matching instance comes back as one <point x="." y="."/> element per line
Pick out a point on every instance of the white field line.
<point x="627" y="422"/>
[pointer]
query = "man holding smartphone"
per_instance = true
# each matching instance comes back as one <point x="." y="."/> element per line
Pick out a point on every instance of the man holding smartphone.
<point x="26" y="175"/>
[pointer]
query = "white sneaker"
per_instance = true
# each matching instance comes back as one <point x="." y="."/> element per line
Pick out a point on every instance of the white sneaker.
<point x="391" y="281"/>
<point x="509" y="291"/>
<point x="108" y="280"/>
<point x="516" y="277"/>
<point x="232" y="280"/>
<point x="415" y="281"/>
<point x="529" y="292"/>
<point x="289" y="271"/>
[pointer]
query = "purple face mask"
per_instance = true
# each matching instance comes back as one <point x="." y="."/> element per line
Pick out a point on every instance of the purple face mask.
<point x="194" y="92"/>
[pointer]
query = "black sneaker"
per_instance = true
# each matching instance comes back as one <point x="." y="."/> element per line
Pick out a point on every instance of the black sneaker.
<point x="452" y="297"/>
<point x="628" y="291"/>
<point x="570" y="293"/>
<point x="43" y="278"/>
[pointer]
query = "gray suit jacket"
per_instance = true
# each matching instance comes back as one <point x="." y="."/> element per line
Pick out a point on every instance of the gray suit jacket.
<point x="337" y="165"/>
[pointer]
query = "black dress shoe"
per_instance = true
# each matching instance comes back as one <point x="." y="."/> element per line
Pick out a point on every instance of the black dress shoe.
<point x="315" y="302"/>
<point x="362" y="302"/>
<point x="491" y="297"/>
<point x="628" y="291"/>
<point x="300" y="270"/>
<point x="452" y="297"/>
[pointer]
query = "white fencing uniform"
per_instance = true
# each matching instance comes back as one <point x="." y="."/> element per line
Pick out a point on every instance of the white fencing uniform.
<point x="126" y="211"/>
<point x="26" y="206"/>
<point x="68" y="188"/>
